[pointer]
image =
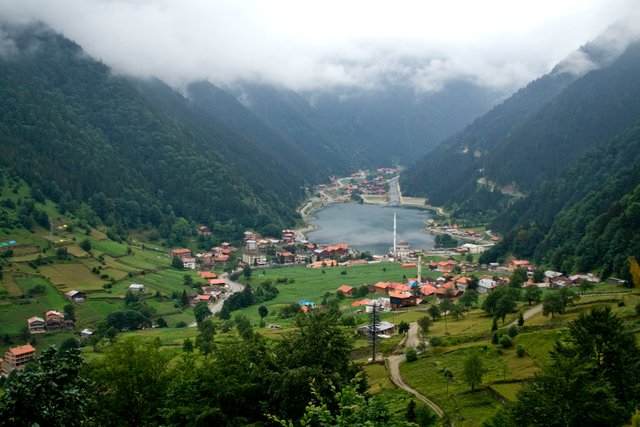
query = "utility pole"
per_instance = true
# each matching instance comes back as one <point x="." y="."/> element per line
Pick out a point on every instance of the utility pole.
<point x="373" y="330"/>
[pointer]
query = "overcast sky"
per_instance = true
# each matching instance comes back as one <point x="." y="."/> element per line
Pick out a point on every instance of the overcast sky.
<point x="330" y="43"/>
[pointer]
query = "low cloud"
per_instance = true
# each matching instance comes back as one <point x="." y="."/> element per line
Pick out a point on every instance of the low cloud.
<point x="311" y="45"/>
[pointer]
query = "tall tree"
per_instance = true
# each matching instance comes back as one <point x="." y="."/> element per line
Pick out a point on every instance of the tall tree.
<point x="51" y="392"/>
<point x="473" y="371"/>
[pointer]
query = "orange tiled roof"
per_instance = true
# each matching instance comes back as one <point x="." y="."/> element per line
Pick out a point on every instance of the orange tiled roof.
<point x="23" y="349"/>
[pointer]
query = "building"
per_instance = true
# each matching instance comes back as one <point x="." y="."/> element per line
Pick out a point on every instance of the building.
<point x="399" y="300"/>
<point x="383" y="328"/>
<point x="86" y="333"/>
<point x="189" y="263"/>
<point x="55" y="320"/>
<point x="181" y="253"/>
<point x="76" y="296"/>
<point x="17" y="357"/>
<point x="36" y="325"/>
<point x="346" y="290"/>
<point x="486" y="284"/>
<point x="447" y="266"/>
<point x="519" y="263"/>
<point x="136" y="287"/>
<point x="253" y="257"/>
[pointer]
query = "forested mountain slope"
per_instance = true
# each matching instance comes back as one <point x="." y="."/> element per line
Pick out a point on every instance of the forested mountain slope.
<point x="587" y="219"/>
<point x="534" y="135"/>
<point x="82" y="135"/>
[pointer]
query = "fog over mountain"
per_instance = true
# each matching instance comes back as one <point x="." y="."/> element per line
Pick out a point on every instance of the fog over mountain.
<point x="330" y="44"/>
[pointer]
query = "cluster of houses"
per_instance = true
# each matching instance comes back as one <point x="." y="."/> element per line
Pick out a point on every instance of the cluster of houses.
<point x="452" y="229"/>
<point x="217" y="255"/>
<point x="53" y="321"/>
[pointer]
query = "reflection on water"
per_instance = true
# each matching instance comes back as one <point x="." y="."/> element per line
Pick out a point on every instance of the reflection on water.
<point x="370" y="227"/>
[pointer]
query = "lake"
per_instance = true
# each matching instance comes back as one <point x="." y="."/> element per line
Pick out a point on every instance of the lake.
<point x="370" y="227"/>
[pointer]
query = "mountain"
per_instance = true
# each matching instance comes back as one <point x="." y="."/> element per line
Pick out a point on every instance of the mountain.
<point x="534" y="135"/>
<point x="586" y="219"/>
<point x="399" y="123"/>
<point x="135" y="154"/>
<point x="223" y="108"/>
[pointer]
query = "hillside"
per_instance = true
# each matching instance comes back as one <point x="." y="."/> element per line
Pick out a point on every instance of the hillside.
<point x="82" y="135"/>
<point x="584" y="220"/>
<point x="533" y="136"/>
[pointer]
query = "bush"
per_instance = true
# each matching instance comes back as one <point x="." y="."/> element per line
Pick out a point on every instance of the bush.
<point x="520" y="351"/>
<point x="411" y="354"/>
<point x="621" y="304"/>
<point x="181" y="324"/>
<point x="505" y="342"/>
<point x="513" y="331"/>
<point x="494" y="338"/>
<point x="638" y="309"/>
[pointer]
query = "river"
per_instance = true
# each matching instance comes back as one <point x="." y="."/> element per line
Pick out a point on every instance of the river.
<point x="370" y="227"/>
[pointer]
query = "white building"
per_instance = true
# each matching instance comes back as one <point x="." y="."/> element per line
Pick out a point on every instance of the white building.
<point x="486" y="285"/>
<point x="136" y="287"/>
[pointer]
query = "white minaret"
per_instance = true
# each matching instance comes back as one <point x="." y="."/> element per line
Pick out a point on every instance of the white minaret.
<point x="420" y="266"/>
<point x="394" y="234"/>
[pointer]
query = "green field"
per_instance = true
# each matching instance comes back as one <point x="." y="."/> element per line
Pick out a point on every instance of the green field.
<point x="15" y="312"/>
<point x="466" y="408"/>
<point x="72" y="276"/>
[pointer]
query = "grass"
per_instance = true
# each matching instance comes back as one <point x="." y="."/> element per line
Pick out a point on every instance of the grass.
<point x="508" y="391"/>
<point x="72" y="276"/>
<point x="466" y="408"/>
<point x="15" y="312"/>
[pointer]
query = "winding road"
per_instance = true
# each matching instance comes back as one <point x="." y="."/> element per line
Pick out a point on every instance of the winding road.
<point x="393" y="366"/>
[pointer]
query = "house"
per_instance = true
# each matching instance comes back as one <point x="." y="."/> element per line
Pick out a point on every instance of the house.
<point x="550" y="275"/>
<point x="203" y="230"/>
<point x="381" y="304"/>
<point x="216" y="282"/>
<point x="181" y="253"/>
<point x="447" y="266"/>
<point x="17" y="357"/>
<point x="427" y="290"/>
<point x="346" y="290"/>
<point x="206" y="275"/>
<point x="589" y="277"/>
<point x="519" y="263"/>
<point x="253" y="257"/>
<point x="462" y="283"/>
<point x="285" y="257"/>
<point x="361" y="302"/>
<point x="486" y="285"/>
<point x="136" y="287"/>
<point x="86" y="333"/>
<point x="204" y="298"/>
<point x="76" y="296"/>
<point x="329" y="252"/>
<point x="381" y="328"/>
<point x="399" y="300"/>
<point x="55" y="320"/>
<point x="189" y="263"/>
<point x="381" y="288"/>
<point x="36" y="325"/>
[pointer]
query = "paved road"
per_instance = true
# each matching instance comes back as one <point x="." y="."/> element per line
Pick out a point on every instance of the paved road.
<point x="233" y="288"/>
<point x="393" y="366"/>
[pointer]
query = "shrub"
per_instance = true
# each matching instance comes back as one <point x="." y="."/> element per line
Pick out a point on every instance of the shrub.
<point x="513" y="331"/>
<point x="494" y="338"/>
<point x="181" y="324"/>
<point x="411" y="354"/>
<point x="520" y="351"/>
<point x="505" y="342"/>
<point x="621" y="304"/>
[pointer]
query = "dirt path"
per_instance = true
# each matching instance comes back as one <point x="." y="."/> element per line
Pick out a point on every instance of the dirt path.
<point x="393" y="367"/>
<point x="217" y="306"/>
<point x="528" y="314"/>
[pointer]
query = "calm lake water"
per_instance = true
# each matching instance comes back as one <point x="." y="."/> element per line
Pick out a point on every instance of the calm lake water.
<point x="370" y="227"/>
